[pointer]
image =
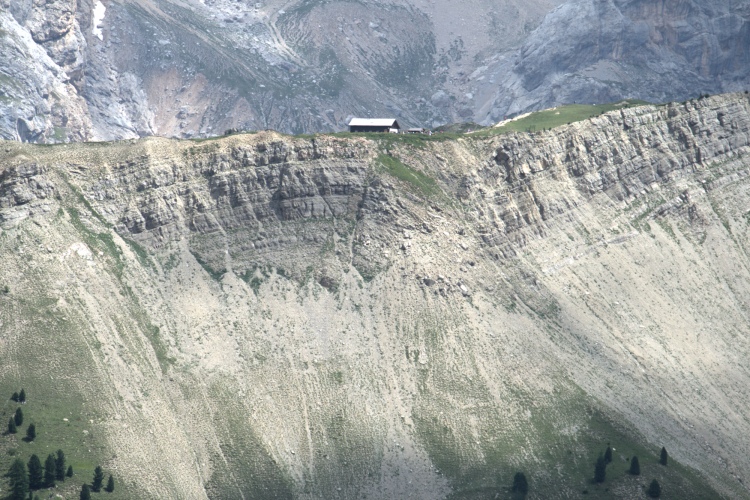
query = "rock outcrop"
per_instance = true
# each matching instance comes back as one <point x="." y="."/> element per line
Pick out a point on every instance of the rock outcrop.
<point x="38" y="99"/>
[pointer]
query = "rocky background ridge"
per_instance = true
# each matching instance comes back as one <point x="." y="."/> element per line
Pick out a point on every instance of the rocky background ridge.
<point x="110" y="69"/>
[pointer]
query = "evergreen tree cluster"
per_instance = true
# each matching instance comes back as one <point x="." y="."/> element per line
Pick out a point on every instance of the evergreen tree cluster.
<point x="96" y="484"/>
<point x="34" y="476"/>
<point x="45" y="476"/>
<point x="26" y="478"/>
<point x="19" y="397"/>
<point x="17" y="419"/>
<point x="600" y="469"/>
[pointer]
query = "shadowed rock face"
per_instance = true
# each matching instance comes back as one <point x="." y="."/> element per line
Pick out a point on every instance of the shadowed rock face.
<point x="196" y="69"/>
<point x="592" y="51"/>
<point x="300" y="317"/>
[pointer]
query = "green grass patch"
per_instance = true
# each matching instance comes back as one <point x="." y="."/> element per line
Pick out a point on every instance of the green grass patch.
<point x="479" y="448"/>
<point x="252" y="280"/>
<point x="140" y="253"/>
<point x="216" y="275"/>
<point x="81" y="442"/>
<point x="420" y="182"/>
<point x="60" y="134"/>
<point x="103" y="242"/>
<point x="62" y="399"/>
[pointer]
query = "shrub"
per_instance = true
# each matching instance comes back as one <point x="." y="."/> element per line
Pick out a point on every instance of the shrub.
<point x="110" y="485"/>
<point x="520" y="484"/>
<point x="49" y="471"/>
<point x="635" y="467"/>
<point x="60" y="466"/>
<point x="36" y="473"/>
<point x="96" y="484"/>
<point x="18" y="481"/>
<point x="31" y="432"/>
<point x="600" y="470"/>
<point x="664" y="458"/>
<point x="654" y="489"/>
<point x="85" y="492"/>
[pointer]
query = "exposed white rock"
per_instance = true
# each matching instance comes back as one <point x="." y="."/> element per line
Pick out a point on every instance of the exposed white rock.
<point x="98" y="19"/>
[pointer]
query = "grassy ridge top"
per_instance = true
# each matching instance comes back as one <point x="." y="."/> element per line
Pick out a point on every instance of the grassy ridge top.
<point x="562" y="115"/>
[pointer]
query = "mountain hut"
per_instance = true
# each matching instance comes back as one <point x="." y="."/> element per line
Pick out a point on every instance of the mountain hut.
<point x="374" y="125"/>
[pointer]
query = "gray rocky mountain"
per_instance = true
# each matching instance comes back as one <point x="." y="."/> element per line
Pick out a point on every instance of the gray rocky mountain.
<point x="263" y="316"/>
<point x="602" y="51"/>
<point x="110" y="69"/>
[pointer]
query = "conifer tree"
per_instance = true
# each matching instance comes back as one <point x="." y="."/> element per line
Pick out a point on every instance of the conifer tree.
<point x="110" y="484"/>
<point x="49" y="471"/>
<point x="31" y="432"/>
<point x="14" y="397"/>
<point x="96" y="484"/>
<point x="36" y="473"/>
<point x="85" y="492"/>
<point x="18" y="417"/>
<point x="600" y="470"/>
<point x="635" y="467"/>
<point x="12" y="426"/>
<point x="60" y="466"/>
<point x="22" y="396"/>
<point x="664" y="458"/>
<point x="654" y="489"/>
<point x="520" y="484"/>
<point x="608" y="455"/>
<point x="18" y="481"/>
<point x="69" y="472"/>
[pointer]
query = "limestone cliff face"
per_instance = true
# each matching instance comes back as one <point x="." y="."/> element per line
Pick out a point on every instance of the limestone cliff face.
<point x="621" y="155"/>
<point x="255" y="189"/>
<point x="340" y="317"/>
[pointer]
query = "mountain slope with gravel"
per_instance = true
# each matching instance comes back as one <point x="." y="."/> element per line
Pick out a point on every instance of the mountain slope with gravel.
<point x="365" y="317"/>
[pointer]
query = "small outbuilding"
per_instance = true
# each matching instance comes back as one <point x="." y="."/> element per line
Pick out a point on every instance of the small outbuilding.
<point x="374" y="125"/>
<point x="416" y="130"/>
